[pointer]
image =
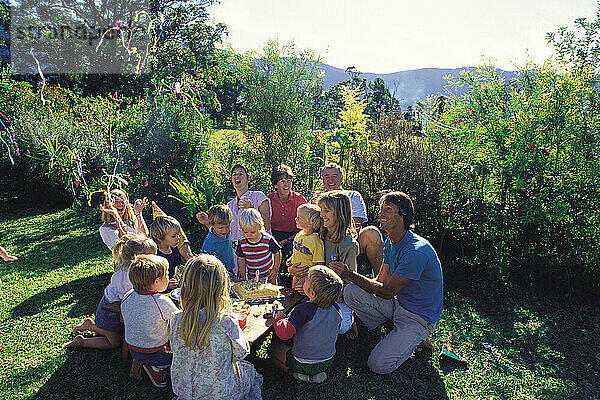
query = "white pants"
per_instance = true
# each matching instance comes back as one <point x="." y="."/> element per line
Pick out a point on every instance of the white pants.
<point x="409" y="329"/>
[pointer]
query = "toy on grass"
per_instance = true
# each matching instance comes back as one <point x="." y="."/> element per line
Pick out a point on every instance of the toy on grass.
<point x="449" y="354"/>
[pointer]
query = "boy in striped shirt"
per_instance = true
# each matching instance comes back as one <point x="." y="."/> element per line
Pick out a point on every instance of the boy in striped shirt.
<point x="258" y="252"/>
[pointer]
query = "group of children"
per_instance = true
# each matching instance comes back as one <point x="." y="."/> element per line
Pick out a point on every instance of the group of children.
<point x="202" y="344"/>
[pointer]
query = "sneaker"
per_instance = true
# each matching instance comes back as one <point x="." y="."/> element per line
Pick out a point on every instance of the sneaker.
<point x="157" y="375"/>
<point x="317" y="378"/>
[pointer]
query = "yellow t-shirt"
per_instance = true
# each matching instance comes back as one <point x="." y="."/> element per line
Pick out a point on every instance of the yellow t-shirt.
<point x="308" y="249"/>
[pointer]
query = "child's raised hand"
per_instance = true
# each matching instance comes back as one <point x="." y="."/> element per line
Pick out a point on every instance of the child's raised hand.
<point x="202" y="217"/>
<point x="139" y="205"/>
<point x="245" y="203"/>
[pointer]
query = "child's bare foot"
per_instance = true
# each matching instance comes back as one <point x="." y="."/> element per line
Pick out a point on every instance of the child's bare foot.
<point x="76" y="342"/>
<point x="86" y="325"/>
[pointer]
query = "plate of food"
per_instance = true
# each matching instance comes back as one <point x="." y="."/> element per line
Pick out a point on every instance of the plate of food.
<point x="175" y="294"/>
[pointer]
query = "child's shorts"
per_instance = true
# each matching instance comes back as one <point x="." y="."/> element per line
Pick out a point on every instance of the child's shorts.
<point x="347" y="318"/>
<point x="157" y="357"/>
<point x="303" y="368"/>
<point x="106" y="320"/>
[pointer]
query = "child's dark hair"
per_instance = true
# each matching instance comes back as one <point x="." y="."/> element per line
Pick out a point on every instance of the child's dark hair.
<point x="145" y="269"/>
<point x="219" y="214"/>
<point x="281" y="171"/>
<point x="326" y="284"/>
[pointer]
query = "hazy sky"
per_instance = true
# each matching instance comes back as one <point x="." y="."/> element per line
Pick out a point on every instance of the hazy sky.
<point x="392" y="35"/>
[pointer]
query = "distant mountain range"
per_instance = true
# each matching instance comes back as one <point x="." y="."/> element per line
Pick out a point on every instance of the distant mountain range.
<point x="407" y="86"/>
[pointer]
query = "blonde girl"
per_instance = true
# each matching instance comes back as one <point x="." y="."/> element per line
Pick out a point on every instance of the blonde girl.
<point x="308" y="248"/>
<point x="120" y="217"/>
<point x="208" y="344"/>
<point x="108" y="325"/>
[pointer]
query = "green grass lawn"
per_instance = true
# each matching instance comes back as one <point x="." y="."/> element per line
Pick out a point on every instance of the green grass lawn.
<point x="545" y="348"/>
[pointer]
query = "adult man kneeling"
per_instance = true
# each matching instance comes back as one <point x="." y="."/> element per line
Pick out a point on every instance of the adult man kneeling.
<point x="408" y="289"/>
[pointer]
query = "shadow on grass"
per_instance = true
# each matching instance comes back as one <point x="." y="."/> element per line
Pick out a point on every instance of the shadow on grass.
<point x="350" y="377"/>
<point x="75" y="292"/>
<point x="44" y="253"/>
<point x="550" y="339"/>
<point x="93" y="374"/>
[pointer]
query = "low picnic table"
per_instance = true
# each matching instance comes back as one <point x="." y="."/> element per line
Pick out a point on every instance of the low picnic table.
<point x="256" y="326"/>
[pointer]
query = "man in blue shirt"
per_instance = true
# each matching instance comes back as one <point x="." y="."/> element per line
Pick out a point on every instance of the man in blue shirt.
<point x="408" y="289"/>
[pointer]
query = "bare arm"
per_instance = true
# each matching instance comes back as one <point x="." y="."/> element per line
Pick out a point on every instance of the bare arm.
<point x="184" y="246"/>
<point x="386" y="289"/>
<point x="275" y="269"/>
<point x="265" y="212"/>
<point x="242" y="268"/>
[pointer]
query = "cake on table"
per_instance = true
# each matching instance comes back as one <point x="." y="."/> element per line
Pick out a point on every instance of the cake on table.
<point x="255" y="290"/>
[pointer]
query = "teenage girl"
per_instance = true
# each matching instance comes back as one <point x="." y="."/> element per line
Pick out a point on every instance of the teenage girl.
<point x="208" y="345"/>
<point x="338" y="235"/>
<point x="107" y="324"/>
<point x="308" y="248"/>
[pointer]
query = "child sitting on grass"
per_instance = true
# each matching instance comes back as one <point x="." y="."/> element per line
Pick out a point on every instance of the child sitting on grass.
<point x="314" y="325"/>
<point x="146" y="315"/>
<point x="208" y="345"/>
<point x="218" y="241"/>
<point x="108" y="324"/>
<point x="308" y="248"/>
<point x="168" y="235"/>
<point x="258" y="252"/>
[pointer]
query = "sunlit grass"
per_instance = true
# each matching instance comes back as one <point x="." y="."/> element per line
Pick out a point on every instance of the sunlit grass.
<point x="541" y="349"/>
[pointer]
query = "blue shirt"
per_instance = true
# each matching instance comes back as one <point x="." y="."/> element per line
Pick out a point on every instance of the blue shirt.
<point x="222" y="248"/>
<point x="414" y="258"/>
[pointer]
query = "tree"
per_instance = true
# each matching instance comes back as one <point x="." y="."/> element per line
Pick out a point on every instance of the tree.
<point x="579" y="48"/>
<point x="279" y="87"/>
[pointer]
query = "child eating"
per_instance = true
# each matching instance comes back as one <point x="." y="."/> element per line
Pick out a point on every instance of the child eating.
<point x="308" y="248"/>
<point x="146" y="315"/>
<point x="168" y="235"/>
<point x="218" y="241"/>
<point x="208" y="344"/>
<point x="314" y="326"/>
<point x="259" y="254"/>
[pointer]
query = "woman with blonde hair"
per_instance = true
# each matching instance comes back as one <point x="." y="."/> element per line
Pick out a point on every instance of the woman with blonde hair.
<point x="208" y="344"/>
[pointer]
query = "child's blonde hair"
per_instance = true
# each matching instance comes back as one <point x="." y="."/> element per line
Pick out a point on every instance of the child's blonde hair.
<point x="205" y="288"/>
<point x="339" y="202"/>
<point x="313" y="215"/>
<point x="127" y="214"/>
<point x="219" y="214"/>
<point x="129" y="246"/>
<point x="250" y="217"/>
<point x="162" y="226"/>
<point x="145" y="269"/>
<point x="326" y="284"/>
